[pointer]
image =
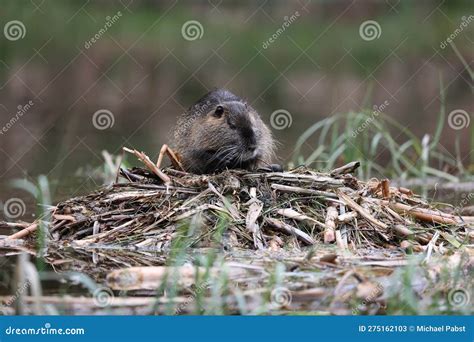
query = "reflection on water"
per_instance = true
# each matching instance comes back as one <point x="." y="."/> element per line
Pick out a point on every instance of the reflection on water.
<point x="72" y="281"/>
<point x="78" y="276"/>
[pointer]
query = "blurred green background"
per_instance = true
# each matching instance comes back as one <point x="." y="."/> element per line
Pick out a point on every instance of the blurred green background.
<point x="144" y="71"/>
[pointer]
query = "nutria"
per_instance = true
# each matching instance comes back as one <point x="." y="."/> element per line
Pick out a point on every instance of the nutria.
<point x="222" y="131"/>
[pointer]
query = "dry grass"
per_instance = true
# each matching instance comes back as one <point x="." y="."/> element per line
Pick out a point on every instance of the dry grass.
<point x="260" y="210"/>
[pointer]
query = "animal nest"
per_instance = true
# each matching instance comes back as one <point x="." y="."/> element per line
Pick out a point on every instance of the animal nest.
<point x="255" y="210"/>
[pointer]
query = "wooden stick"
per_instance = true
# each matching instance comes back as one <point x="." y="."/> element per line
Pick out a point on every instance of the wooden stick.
<point x="424" y="214"/>
<point x="348" y="168"/>
<point x="340" y="241"/>
<point x="175" y="159"/>
<point x="253" y="213"/>
<point x="24" y="232"/>
<point x="351" y="203"/>
<point x="293" y="214"/>
<point x="290" y="230"/>
<point x="299" y="190"/>
<point x="386" y="188"/>
<point x="329" y="232"/>
<point x="149" y="164"/>
<point x="151" y="277"/>
<point x="14" y="224"/>
<point x="402" y="230"/>
<point x="428" y="215"/>
<point x="92" y="302"/>
<point x="165" y="149"/>
<point x="347" y="217"/>
<point x="315" y="181"/>
<point x="64" y="217"/>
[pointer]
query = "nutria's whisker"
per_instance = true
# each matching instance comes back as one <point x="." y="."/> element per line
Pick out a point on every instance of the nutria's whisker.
<point x="264" y="162"/>
<point x="223" y="121"/>
<point x="225" y="158"/>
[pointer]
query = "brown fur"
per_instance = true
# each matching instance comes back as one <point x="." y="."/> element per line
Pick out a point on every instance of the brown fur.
<point x="208" y="142"/>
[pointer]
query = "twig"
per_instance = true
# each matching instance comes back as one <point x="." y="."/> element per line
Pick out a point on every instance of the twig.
<point x="149" y="164"/>
<point x="253" y="213"/>
<point x="348" y="168"/>
<point x="386" y="188"/>
<point x="331" y="216"/>
<point x="24" y="232"/>
<point x="428" y="215"/>
<point x="304" y="191"/>
<point x="290" y="230"/>
<point x="293" y="214"/>
<point x="351" y="203"/>
<point x="64" y="217"/>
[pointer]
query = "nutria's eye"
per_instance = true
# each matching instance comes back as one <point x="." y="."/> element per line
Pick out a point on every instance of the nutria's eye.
<point x="219" y="111"/>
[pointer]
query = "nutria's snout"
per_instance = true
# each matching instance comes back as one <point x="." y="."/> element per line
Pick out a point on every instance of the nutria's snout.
<point x="242" y="120"/>
<point x="222" y="131"/>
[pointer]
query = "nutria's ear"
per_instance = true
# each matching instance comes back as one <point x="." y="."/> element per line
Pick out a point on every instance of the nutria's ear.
<point x="219" y="111"/>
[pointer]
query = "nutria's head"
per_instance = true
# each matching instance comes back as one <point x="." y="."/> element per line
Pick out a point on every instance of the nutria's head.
<point x="223" y="132"/>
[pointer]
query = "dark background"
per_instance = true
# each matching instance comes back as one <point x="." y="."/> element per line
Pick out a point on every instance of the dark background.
<point x="145" y="73"/>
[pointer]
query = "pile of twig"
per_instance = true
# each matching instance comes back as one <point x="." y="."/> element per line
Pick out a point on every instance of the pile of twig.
<point x="150" y="208"/>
